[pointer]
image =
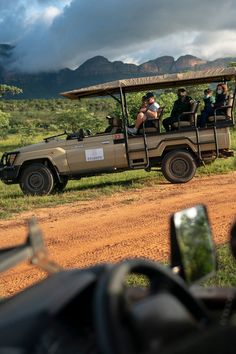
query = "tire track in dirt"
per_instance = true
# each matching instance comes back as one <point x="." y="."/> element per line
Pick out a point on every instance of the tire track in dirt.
<point x="129" y="224"/>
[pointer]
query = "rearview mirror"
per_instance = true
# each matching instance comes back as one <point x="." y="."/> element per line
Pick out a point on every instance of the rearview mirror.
<point x="192" y="249"/>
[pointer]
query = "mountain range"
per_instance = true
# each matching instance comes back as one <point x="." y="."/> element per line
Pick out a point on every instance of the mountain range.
<point x="95" y="70"/>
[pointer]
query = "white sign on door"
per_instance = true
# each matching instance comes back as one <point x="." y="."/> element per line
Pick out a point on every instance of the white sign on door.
<point x="94" y="154"/>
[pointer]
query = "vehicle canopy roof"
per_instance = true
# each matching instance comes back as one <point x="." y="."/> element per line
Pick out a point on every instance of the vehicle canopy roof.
<point x="154" y="83"/>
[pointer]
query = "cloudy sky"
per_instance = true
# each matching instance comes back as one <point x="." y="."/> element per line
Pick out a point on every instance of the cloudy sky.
<point x="54" y="34"/>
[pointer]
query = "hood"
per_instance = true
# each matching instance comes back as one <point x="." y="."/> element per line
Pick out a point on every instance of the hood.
<point x="44" y="145"/>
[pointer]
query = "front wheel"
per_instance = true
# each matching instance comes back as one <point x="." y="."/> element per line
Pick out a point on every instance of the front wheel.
<point x="178" y="166"/>
<point x="37" y="179"/>
<point x="60" y="186"/>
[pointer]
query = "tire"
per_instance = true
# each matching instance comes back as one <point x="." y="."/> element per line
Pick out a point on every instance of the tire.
<point x="36" y="179"/>
<point x="178" y="166"/>
<point x="60" y="186"/>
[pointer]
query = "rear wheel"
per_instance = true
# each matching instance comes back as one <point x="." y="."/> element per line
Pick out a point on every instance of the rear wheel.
<point x="36" y="179"/>
<point x="178" y="166"/>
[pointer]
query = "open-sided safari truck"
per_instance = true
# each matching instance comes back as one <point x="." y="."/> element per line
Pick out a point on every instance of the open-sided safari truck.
<point x="47" y="166"/>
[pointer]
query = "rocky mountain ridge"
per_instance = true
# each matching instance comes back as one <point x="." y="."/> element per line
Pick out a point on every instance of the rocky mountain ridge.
<point x="95" y="70"/>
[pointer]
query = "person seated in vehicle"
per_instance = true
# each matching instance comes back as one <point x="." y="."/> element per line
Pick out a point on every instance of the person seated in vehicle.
<point x="114" y="125"/>
<point x="209" y="102"/>
<point x="144" y="103"/>
<point x="148" y="111"/>
<point x="212" y="107"/>
<point x="221" y="97"/>
<point x="181" y="105"/>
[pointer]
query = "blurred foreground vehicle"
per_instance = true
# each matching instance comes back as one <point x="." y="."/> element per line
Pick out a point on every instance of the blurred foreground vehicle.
<point x="42" y="168"/>
<point x="94" y="310"/>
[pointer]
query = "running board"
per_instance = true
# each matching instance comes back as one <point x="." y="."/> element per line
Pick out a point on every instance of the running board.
<point x="137" y="165"/>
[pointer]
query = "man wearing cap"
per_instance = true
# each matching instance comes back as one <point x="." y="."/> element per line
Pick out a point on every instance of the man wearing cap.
<point x="182" y="104"/>
<point x="147" y="112"/>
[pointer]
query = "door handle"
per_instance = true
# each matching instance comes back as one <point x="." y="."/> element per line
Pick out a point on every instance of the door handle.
<point x="106" y="142"/>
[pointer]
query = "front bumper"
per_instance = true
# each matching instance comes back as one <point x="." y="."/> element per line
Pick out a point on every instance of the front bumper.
<point x="8" y="174"/>
<point x="8" y="171"/>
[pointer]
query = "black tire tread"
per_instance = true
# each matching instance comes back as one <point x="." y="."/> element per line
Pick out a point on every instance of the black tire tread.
<point x="41" y="170"/>
<point x="184" y="157"/>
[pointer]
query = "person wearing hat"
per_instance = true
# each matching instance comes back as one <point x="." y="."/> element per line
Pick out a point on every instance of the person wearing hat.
<point x="182" y="104"/>
<point x="114" y="125"/>
<point x="149" y="110"/>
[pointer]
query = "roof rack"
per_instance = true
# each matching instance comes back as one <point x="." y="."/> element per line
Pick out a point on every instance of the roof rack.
<point x="54" y="136"/>
<point x="154" y="82"/>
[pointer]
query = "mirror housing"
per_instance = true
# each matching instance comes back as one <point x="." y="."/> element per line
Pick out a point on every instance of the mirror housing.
<point x="192" y="250"/>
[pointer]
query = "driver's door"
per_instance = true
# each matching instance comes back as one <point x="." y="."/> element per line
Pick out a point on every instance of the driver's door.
<point x="93" y="153"/>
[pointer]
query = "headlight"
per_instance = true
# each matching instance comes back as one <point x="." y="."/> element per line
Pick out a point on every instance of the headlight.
<point x="10" y="158"/>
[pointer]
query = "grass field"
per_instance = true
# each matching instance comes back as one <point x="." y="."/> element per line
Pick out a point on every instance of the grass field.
<point x="225" y="275"/>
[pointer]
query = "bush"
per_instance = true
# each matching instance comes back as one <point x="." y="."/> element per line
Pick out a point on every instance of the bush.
<point x="4" y="123"/>
<point x="74" y="119"/>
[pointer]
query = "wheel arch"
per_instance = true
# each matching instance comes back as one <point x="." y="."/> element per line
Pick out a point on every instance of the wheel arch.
<point x="45" y="161"/>
<point x="182" y="147"/>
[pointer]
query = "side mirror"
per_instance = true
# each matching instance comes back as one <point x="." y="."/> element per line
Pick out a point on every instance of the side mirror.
<point x="192" y="249"/>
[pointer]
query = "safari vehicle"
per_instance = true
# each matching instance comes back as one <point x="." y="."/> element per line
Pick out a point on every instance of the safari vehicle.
<point x="45" y="167"/>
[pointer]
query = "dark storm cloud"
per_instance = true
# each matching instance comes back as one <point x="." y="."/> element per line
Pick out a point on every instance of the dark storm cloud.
<point x="11" y="20"/>
<point x="117" y="29"/>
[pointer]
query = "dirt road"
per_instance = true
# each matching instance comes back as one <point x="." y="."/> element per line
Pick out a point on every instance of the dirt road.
<point x="128" y="224"/>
